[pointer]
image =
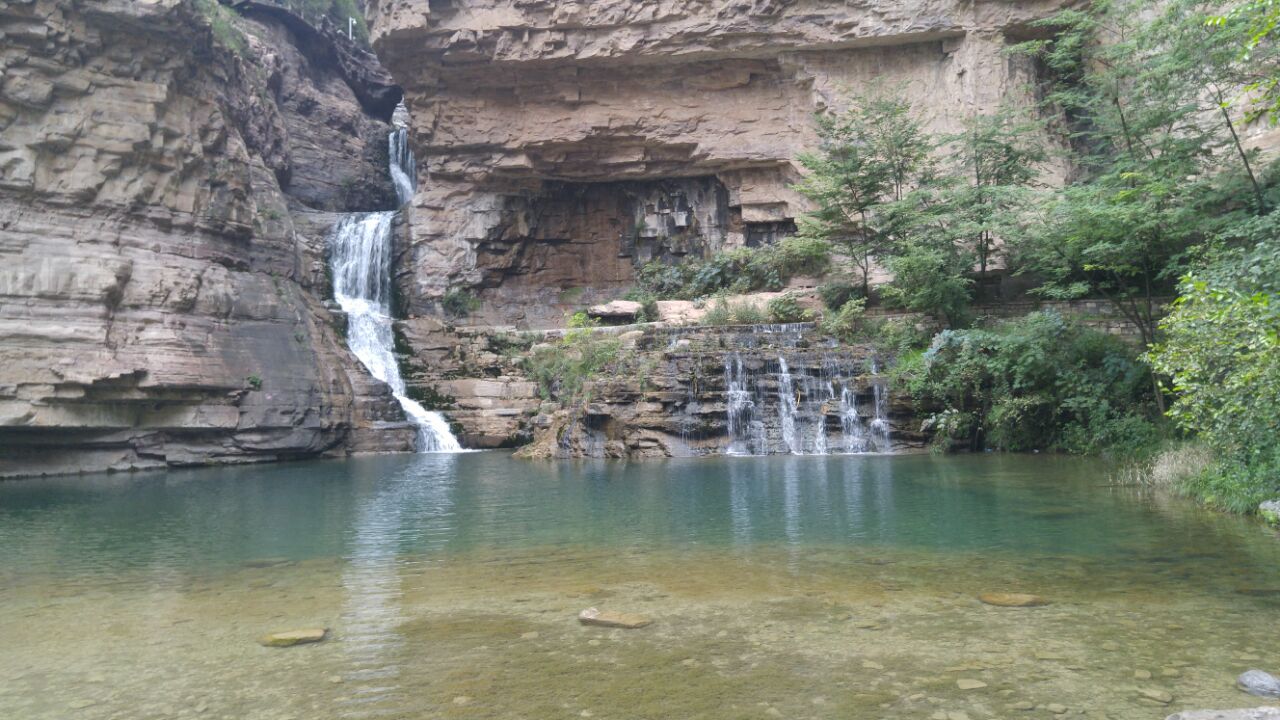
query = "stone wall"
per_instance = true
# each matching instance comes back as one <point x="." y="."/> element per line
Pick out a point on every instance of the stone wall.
<point x="162" y="233"/>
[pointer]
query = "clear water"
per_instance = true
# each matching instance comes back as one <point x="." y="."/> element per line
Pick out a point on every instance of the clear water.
<point x="798" y="587"/>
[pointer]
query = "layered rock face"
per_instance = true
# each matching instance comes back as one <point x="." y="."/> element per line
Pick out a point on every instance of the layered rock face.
<point x="672" y="391"/>
<point x="563" y="143"/>
<point x="162" y="268"/>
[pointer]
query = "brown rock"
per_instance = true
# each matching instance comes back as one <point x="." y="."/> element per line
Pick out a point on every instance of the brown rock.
<point x="1001" y="599"/>
<point x="604" y="618"/>
<point x="289" y="638"/>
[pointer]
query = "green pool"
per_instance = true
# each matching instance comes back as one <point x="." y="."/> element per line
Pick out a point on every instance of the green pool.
<point x="794" y="587"/>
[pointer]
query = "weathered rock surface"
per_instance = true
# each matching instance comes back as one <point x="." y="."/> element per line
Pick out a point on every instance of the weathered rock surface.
<point x="161" y="270"/>
<point x="616" y="311"/>
<point x="568" y="142"/>
<point x="665" y="396"/>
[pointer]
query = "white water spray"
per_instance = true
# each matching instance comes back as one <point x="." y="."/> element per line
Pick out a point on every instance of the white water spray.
<point x="361" y="262"/>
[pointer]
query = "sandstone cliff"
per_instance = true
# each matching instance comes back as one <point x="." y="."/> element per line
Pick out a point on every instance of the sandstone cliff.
<point x="567" y="142"/>
<point x="164" y="168"/>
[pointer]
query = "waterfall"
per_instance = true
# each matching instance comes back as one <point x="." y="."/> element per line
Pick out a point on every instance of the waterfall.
<point x="814" y="395"/>
<point x="740" y="405"/>
<point x="360" y="256"/>
<point x="880" y="421"/>
<point x="787" y="408"/>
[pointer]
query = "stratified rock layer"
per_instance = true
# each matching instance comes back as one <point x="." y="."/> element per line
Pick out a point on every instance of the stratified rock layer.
<point x="161" y="270"/>
<point x="562" y="143"/>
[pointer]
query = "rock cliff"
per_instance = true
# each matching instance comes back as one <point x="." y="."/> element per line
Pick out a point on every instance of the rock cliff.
<point x="567" y="142"/>
<point x="168" y="173"/>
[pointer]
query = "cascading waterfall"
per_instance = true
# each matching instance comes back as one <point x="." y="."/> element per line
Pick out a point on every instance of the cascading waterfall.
<point x="361" y="262"/>
<point x="787" y="408"/>
<point x="807" y="399"/>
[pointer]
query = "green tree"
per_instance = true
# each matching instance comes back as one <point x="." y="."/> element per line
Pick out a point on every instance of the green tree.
<point x="1222" y="350"/>
<point x="872" y="153"/>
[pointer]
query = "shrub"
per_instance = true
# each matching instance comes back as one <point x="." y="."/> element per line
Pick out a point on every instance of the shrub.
<point x="1037" y="383"/>
<point x="846" y="323"/>
<point x="726" y="313"/>
<point x="740" y="270"/>
<point x="787" y="309"/>
<point x="1222" y="349"/>
<point x="460" y="303"/>
<point x="836" y="293"/>
<point x="563" y="368"/>
<point x="222" y="26"/>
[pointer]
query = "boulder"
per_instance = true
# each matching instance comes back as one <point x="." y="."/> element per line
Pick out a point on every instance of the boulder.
<point x="289" y="638"/>
<point x="616" y="311"/>
<point x="1001" y="599"/>
<point x="1257" y="682"/>
<point x="628" y="621"/>
<point x="1270" y="511"/>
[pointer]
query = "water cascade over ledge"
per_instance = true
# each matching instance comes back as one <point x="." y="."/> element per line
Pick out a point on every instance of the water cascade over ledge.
<point x="830" y="405"/>
<point x="361" y="262"/>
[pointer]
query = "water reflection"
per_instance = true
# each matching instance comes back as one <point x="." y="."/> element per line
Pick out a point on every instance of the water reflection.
<point x="409" y="509"/>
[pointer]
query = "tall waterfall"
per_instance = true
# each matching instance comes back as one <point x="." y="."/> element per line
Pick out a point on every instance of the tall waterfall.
<point x="361" y="260"/>
<point x="804" y="404"/>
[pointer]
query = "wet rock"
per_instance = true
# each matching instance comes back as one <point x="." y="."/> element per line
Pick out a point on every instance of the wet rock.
<point x="1141" y="674"/>
<point x="1056" y="708"/>
<point x="1001" y="599"/>
<point x="1270" y="511"/>
<point x="1023" y="705"/>
<point x="289" y="638"/>
<point x="1261" y="713"/>
<point x="603" y="618"/>
<point x="969" y="684"/>
<point x="1257" y="682"/>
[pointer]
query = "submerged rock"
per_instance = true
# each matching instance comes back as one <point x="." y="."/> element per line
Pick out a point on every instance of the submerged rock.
<point x="629" y="621"/>
<point x="1154" y="695"/>
<point x="1001" y="599"/>
<point x="1270" y="511"/>
<point x="1262" y="713"/>
<point x="1257" y="682"/>
<point x="289" y="638"/>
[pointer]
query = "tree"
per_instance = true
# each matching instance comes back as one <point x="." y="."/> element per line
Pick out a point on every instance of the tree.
<point x="1000" y="154"/>
<point x="1151" y="146"/>
<point x="1222" y="350"/>
<point x="870" y="154"/>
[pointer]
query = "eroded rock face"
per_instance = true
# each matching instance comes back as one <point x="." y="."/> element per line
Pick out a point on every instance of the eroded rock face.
<point x="529" y="111"/>
<point x="161" y="271"/>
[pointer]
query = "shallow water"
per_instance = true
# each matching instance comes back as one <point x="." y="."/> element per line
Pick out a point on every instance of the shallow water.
<point x="814" y="587"/>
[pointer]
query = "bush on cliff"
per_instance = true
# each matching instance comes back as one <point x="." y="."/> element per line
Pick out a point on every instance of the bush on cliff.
<point x="563" y="368"/>
<point x="740" y="270"/>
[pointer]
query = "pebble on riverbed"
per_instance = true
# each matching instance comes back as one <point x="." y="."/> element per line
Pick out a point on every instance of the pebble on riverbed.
<point x="604" y="618"/>
<point x="290" y="638"/>
<point x="1001" y="599"/>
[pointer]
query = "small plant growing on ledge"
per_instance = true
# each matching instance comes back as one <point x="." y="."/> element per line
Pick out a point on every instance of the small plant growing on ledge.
<point x="726" y="313"/>
<point x="254" y="382"/>
<point x="460" y="303"/>
<point x="787" y="309"/>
